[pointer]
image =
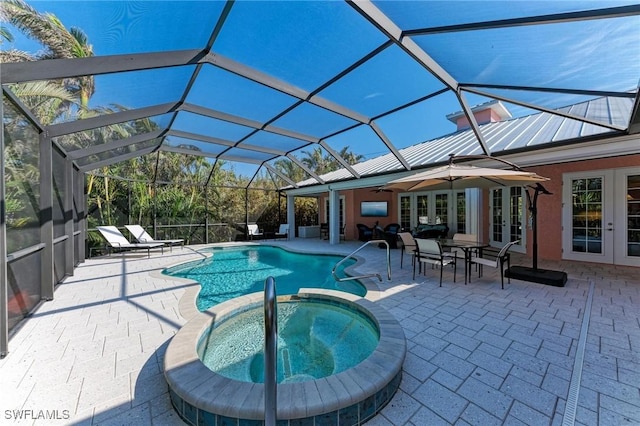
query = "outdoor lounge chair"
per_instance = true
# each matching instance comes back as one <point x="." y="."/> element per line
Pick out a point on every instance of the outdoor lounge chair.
<point x="142" y="236"/>
<point x="283" y="232"/>
<point x="253" y="231"/>
<point x="116" y="240"/>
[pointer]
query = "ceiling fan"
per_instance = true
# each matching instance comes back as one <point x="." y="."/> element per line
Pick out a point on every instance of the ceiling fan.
<point x="381" y="189"/>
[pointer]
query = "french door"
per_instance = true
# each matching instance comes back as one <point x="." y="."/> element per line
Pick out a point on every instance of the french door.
<point x="601" y="216"/>
<point x="507" y="218"/>
<point x="447" y="207"/>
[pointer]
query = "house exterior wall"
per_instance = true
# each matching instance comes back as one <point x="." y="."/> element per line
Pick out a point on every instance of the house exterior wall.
<point x="549" y="220"/>
<point x="352" y="199"/>
<point x="550" y="206"/>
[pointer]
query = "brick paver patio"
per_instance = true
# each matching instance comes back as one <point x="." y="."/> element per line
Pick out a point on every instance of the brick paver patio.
<point x="476" y="354"/>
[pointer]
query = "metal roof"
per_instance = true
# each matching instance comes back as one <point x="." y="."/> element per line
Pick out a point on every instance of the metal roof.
<point x="504" y="136"/>
<point x="250" y="83"/>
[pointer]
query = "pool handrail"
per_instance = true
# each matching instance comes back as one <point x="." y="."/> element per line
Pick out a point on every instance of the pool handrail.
<point x="270" y="351"/>
<point x="335" y="276"/>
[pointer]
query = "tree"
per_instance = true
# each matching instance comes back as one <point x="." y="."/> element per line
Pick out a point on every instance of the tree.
<point x="59" y="42"/>
<point x="349" y="157"/>
<point x="290" y="169"/>
<point x="167" y="184"/>
<point x="315" y="161"/>
<point x="322" y="164"/>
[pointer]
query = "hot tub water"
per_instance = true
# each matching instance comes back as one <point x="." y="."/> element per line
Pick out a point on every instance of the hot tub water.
<point x="316" y="339"/>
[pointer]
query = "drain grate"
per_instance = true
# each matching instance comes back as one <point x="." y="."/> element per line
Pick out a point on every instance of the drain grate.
<point x="576" y="377"/>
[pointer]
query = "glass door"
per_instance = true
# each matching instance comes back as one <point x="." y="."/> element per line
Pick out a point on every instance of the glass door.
<point x="422" y="209"/>
<point x="446" y="207"/>
<point x="405" y="213"/>
<point x="507" y="219"/>
<point x="589" y="212"/>
<point x="601" y="216"/>
<point x="630" y="215"/>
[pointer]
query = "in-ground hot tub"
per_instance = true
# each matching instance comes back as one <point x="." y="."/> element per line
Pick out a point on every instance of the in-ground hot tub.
<point x="339" y="360"/>
<point x="316" y="338"/>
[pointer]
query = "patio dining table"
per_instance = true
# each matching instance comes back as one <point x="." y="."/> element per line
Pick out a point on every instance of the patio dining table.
<point x="467" y="247"/>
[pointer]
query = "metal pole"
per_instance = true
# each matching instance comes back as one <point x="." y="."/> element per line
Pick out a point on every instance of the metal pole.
<point x="46" y="217"/>
<point x="129" y="216"/>
<point x="246" y="212"/>
<point x="533" y="208"/>
<point x="4" y="310"/>
<point x="155" y="209"/>
<point x="534" y="213"/>
<point x="82" y="214"/>
<point x="270" y="351"/>
<point x="68" y="217"/>
<point x="206" y="216"/>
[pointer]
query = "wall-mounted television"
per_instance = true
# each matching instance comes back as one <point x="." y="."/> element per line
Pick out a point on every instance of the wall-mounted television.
<point x="374" y="209"/>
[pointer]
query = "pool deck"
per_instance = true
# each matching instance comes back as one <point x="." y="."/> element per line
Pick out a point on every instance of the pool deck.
<point x="529" y="354"/>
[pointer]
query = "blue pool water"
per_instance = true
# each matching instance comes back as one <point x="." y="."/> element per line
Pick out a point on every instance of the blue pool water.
<point x="236" y="271"/>
<point x="316" y="339"/>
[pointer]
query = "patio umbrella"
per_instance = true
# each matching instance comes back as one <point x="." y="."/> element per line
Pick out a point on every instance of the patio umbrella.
<point x="461" y="176"/>
<point x="455" y="176"/>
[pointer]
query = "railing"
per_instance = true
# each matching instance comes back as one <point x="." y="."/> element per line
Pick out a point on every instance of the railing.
<point x="335" y="268"/>
<point x="197" y="252"/>
<point x="270" y="351"/>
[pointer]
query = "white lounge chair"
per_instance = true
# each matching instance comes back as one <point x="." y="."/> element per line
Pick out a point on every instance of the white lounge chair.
<point x="254" y="231"/>
<point x="116" y="240"/>
<point x="283" y="232"/>
<point x="142" y="236"/>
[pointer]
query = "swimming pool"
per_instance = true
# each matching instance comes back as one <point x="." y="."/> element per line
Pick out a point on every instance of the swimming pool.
<point x="236" y="271"/>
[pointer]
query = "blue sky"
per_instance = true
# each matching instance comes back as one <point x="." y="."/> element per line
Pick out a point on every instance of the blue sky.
<point x="306" y="43"/>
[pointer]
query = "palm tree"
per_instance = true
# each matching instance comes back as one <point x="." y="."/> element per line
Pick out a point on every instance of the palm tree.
<point x="51" y="33"/>
<point x="348" y="156"/>
<point x="289" y="169"/>
<point x="45" y="98"/>
<point x="324" y="164"/>
<point x="315" y="161"/>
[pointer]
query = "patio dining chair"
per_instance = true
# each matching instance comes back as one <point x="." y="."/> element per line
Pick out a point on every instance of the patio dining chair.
<point x="429" y="252"/>
<point x="494" y="260"/>
<point x="117" y="241"/>
<point x="408" y="246"/>
<point x="142" y="236"/>
<point x="462" y="237"/>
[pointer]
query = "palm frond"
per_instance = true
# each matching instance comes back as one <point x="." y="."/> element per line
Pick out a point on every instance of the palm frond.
<point x="14" y="55"/>
<point x="5" y="34"/>
<point x="43" y="89"/>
